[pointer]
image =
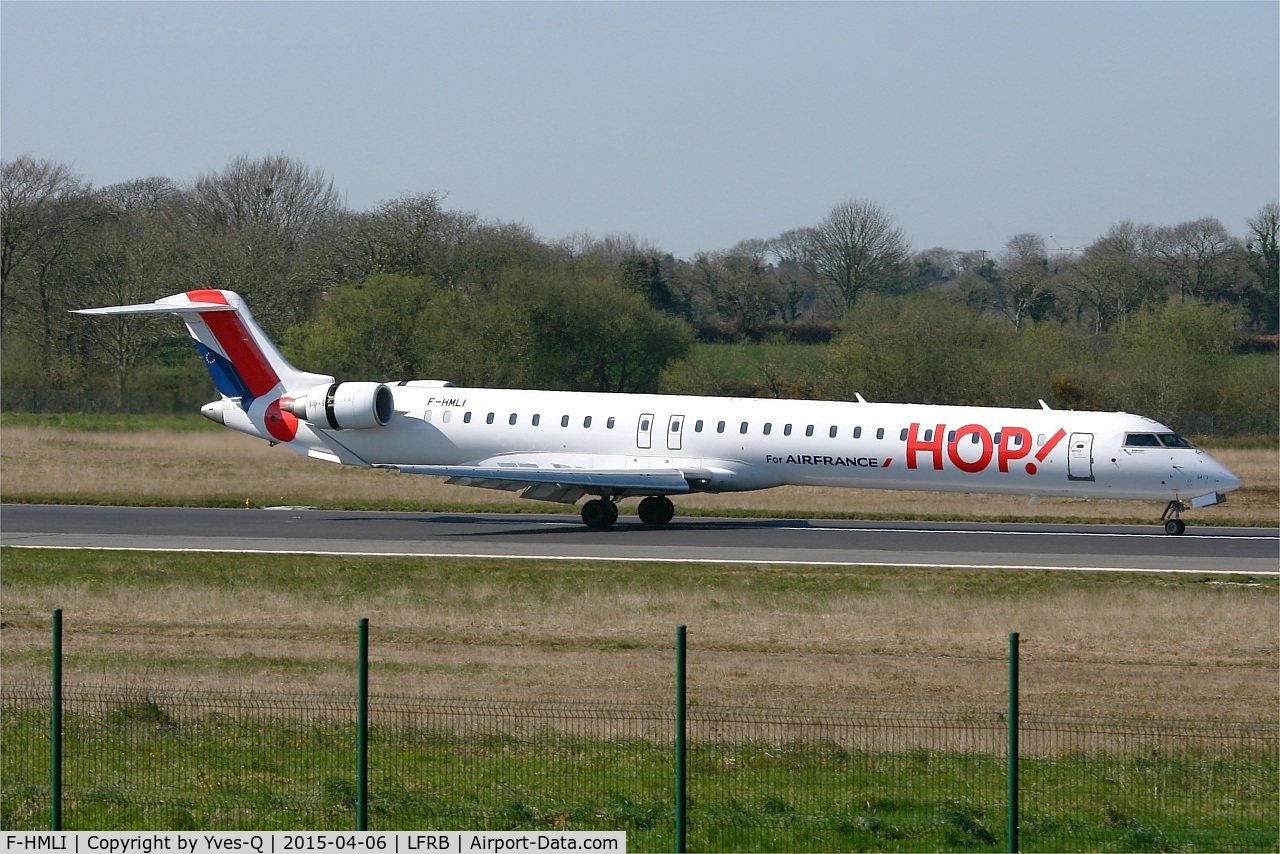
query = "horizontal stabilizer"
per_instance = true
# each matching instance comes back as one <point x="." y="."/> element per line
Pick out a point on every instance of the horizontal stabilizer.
<point x="157" y="308"/>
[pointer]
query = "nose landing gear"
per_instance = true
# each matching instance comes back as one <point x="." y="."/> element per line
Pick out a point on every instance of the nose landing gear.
<point x="1172" y="516"/>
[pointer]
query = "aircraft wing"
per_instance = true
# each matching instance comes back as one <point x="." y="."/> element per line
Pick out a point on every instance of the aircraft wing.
<point x="563" y="483"/>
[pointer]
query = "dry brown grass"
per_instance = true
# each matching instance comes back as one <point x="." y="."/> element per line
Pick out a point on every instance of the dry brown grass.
<point x="758" y="635"/>
<point x="163" y="465"/>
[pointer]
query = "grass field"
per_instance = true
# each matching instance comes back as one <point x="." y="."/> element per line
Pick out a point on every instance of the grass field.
<point x="153" y="629"/>
<point x="784" y="636"/>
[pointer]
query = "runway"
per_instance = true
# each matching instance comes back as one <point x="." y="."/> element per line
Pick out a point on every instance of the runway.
<point x="1249" y="551"/>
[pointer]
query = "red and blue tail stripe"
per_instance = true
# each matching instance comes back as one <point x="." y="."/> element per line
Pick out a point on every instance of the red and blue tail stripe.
<point x="238" y="366"/>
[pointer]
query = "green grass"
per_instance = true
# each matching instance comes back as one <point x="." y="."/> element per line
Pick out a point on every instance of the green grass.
<point x="339" y="578"/>
<point x="150" y="764"/>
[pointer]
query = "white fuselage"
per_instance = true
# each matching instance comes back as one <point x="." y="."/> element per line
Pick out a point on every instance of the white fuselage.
<point x="744" y="444"/>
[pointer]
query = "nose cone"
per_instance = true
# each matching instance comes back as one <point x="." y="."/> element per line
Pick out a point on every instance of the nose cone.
<point x="1223" y="478"/>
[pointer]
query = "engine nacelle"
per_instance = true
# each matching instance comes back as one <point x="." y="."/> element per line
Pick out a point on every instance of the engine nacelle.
<point x="345" y="406"/>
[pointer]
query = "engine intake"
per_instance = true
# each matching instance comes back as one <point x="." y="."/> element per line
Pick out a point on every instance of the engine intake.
<point x="346" y="406"/>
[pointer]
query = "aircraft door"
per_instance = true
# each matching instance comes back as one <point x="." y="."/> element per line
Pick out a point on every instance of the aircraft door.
<point x="644" y="431"/>
<point x="1080" y="457"/>
<point x="675" y="432"/>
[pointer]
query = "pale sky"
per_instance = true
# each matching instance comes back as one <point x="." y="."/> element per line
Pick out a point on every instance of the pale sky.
<point x="689" y="125"/>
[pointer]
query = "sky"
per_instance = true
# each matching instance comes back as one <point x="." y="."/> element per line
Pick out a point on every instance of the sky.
<point x="690" y="126"/>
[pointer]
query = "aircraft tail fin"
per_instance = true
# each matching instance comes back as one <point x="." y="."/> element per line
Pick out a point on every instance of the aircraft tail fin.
<point x="244" y="363"/>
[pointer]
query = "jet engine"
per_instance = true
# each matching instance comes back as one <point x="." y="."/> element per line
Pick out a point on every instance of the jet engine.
<point x="345" y="406"/>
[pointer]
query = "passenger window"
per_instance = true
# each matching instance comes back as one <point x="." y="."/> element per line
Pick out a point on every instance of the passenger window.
<point x="857" y="432"/>
<point x="902" y="437"/>
<point x="768" y="428"/>
<point x="743" y="428"/>
<point x="445" y="417"/>
<point x="675" y="426"/>
<point x="951" y="436"/>
<point x="928" y="435"/>
<point x="427" y="416"/>
<point x="786" y="431"/>
<point x="608" y="425"/>
<point x="880" y="433"/>
<point x="1141" y="440"/>
<point x="586" y="422"/>
<point x="975" y="436"/>
<point x="697" y="426"/>
<point x="512" y="419"/>
<point x="996" y="438"/>
<point x="466" y="418"/>
<point x="720" y="427"/>
<point x="536" y="420"/>
<point x="564" y="420"/>
<point x="832" y="431"/>
<point x="1040" y="439"/>
<point x="644" y="425"/>
<point x="808" y="431"/>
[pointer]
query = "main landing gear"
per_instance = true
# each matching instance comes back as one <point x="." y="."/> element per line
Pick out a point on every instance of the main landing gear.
<point x="1172" y="516"/>
<point x="601" y="513"/>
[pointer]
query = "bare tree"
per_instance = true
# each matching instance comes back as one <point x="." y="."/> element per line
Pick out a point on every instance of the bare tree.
<point x="277" y="191"/>
<point x="856" y="248"/>
<point x="1022" y="288"/>
<point x="33" y="196"/>
<point x="1263" y="257"/>
<point x="1025" y="246"/>
<point x="46" y="208"/>
<point x="1114" y="276"/>
<point x="1191" y="255"/>
<point x="251" y="228"/>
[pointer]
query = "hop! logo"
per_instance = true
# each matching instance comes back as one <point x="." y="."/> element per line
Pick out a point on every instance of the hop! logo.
<point x="972" y="448"/>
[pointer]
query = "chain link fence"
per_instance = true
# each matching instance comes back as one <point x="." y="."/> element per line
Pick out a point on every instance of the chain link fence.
<point x="758" y="778"/>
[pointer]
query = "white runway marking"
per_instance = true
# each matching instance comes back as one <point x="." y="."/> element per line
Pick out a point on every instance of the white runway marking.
<point x="710" y="561"/>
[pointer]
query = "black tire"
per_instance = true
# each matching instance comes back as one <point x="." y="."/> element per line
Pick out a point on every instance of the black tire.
<point x="1174" y="527"/>
<point x="656" y="510"/>
<point x="599" y="514"/>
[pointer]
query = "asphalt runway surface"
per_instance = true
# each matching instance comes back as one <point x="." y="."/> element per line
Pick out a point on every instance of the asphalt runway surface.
<point x="1112" y="548"/>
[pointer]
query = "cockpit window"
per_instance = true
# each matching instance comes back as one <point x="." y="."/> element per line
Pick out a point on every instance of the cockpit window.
<point x="1173" y="440"/>
<point x="1141" y="440"/>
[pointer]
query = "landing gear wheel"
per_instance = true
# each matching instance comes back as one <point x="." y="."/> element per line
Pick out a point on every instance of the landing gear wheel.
<point x="656" y="510"/>
<point x="1172" y="516"/>
<point x="599" y="513"/>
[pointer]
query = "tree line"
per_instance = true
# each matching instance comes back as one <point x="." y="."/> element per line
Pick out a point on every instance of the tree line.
<point x="414" y="289"/>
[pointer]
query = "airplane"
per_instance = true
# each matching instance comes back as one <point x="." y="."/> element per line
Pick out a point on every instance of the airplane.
<point x="561" y="446"/>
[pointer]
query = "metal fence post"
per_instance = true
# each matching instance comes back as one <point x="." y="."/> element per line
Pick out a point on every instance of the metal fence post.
<point x="55" y="728"/>
<point x="681" y="775"/>
<point x="362" y="730"/>
<point x="1013" y="741"/>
